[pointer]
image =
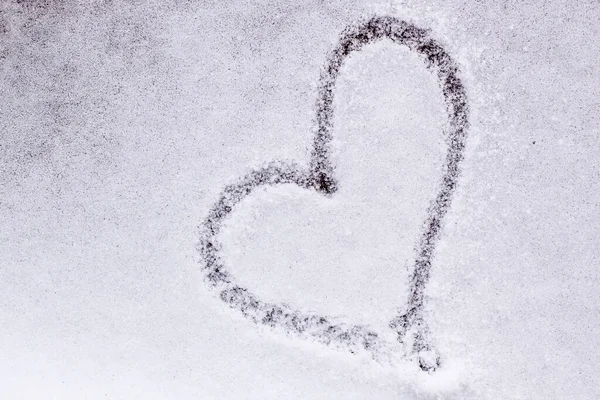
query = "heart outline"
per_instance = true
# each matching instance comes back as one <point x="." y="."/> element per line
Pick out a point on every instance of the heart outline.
<point x="320" y="177"/>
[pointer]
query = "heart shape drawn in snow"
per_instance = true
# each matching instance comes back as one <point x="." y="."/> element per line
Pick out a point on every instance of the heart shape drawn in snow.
<point x="409" y="326"/>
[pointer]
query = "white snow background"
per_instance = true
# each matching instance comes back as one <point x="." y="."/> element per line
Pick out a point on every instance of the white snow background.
<point x="121" y="122"/>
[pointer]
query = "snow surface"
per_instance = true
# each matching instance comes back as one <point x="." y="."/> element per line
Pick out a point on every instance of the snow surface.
<point x="121" y="123"/>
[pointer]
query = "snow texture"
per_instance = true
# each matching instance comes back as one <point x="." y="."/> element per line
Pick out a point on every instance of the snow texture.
<point x="321" y="178"/>
<point x="433" y="215"/>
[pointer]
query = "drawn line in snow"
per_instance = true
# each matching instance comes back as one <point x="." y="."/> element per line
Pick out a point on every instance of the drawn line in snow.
<point x="410" y="326"/>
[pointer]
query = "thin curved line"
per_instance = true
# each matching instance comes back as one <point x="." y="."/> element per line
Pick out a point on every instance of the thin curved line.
<point x="321" y="178"/>
<point x="325" y="330"/>
<point x="322" y="170"/>
<point x="353" y="39"/>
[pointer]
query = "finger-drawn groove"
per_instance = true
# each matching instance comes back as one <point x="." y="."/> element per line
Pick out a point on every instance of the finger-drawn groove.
<point x="320" y="177"/>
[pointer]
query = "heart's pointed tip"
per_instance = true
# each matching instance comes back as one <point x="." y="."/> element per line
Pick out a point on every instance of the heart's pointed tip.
<point x="429" y="361"/>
